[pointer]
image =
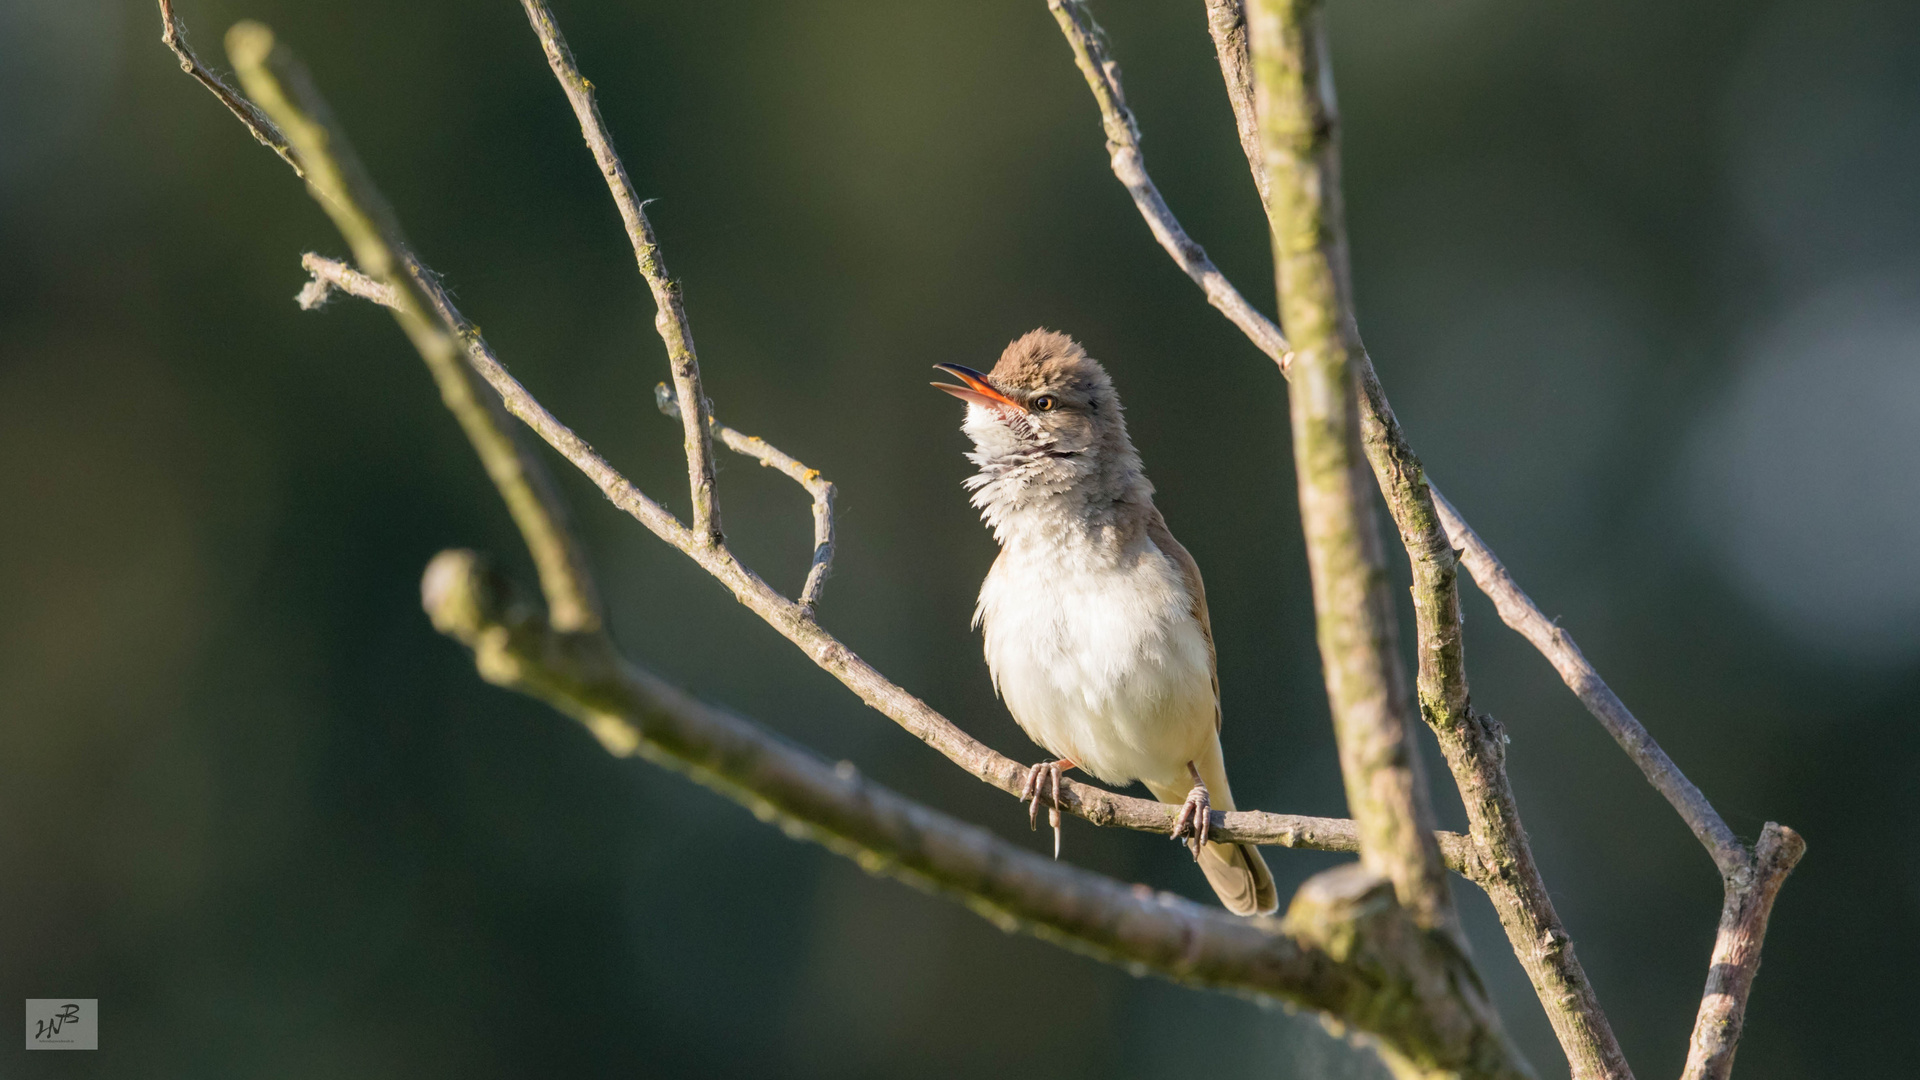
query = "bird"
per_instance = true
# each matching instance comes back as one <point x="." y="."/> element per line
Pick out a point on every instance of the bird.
<point x="1093" y="617"/>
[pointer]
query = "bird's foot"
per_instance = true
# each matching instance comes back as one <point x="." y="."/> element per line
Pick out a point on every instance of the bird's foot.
<point x="1043" y="781"/>
<point x="1194" y="822"/>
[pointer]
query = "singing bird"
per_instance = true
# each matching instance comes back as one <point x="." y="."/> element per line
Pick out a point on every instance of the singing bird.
<point x="1094" y="616"/>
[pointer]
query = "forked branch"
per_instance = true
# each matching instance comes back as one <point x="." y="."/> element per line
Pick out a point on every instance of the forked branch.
<point x="281" y="91"/>
<point x="768" y="455"/>
<point x="1736" y="952"/>
<point x="1431" y="529"/>
<point x="671" y="315"/>
<point x="1475" y="744"/>
<point x="1518" y="611"/>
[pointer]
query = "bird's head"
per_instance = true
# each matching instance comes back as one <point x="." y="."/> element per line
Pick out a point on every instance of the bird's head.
<point x="1045" y="420"/>
<point x="1045" y="398"/>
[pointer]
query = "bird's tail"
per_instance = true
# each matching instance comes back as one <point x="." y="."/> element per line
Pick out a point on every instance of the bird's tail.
<point x="1240" y="878"/>
<point x="1238" y="874"/>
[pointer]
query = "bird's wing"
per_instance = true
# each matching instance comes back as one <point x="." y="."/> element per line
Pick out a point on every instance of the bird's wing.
<point x="1162" y="538"/>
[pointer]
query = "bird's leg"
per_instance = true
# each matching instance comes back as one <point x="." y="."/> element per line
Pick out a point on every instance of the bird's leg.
<point x="1043" y="780"/>
<point x="1195" y="820"/>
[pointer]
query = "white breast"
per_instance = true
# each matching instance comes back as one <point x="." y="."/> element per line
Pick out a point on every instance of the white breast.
<point x="1099" y="658"/>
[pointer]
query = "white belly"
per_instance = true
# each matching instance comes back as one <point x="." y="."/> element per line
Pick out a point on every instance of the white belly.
<point x="1101" y="662"/>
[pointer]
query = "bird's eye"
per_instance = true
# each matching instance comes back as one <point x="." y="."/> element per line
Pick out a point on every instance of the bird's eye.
<point x="1044" y="403"/>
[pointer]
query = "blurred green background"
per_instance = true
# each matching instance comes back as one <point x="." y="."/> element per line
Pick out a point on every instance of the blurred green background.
<point x="1641" y="279"/>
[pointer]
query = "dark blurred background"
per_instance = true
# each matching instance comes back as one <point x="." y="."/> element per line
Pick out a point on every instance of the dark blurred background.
<point x="1642" y="279"/>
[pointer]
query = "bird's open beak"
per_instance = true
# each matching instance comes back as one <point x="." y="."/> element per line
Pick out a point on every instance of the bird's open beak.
<point x="976" y="391"/>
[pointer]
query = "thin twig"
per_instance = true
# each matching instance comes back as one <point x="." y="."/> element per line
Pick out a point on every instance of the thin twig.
<point x="670" y="318"/>
<point x="1736" y="952"/>
<point x="1093" y="804"/>
<point x="1354" y="612"/>
<point x="1227" y="25"/>
<point x="1519" y="611"/>
<point x="817" y="486"/>
<point x="1123" y="150"/>
<point x="1360" y="961"/>
<point x="281" y="90"/>
<point x="173" y="34"/>
<point x="331" y="274"/>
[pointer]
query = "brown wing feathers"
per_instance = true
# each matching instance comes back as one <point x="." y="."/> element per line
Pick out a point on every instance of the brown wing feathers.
<point x="1162" y="538"/>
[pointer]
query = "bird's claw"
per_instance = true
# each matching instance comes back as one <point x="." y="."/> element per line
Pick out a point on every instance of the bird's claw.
<point x="1194" y="822"/>
<point x="1043" y="781"/>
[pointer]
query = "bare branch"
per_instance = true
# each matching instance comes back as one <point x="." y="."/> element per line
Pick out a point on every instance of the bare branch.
<point x="1340" y="950"/>
<point x="330" y="274"/>
<point x="511" y="396"/>
<point x="1474" y="745"/>
<point x="1123" y="149"/>
<point x="1519" y="894"/>
<point x="338" y="183"/>
<point x="1358" y="648"/>
<point x="766" y="454"/>
<point x="1477" y="758"/>
<point x="1516" y="609"/>
<point x="671" y="316"/>
<point x="1519" y="611"/>
<point x="173" y="34"/>
<point x="1752" y="880"/>
<point x="1227" y="25"/>
<point x="1736" y="952"/>
<point x="1531" y="923"/>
